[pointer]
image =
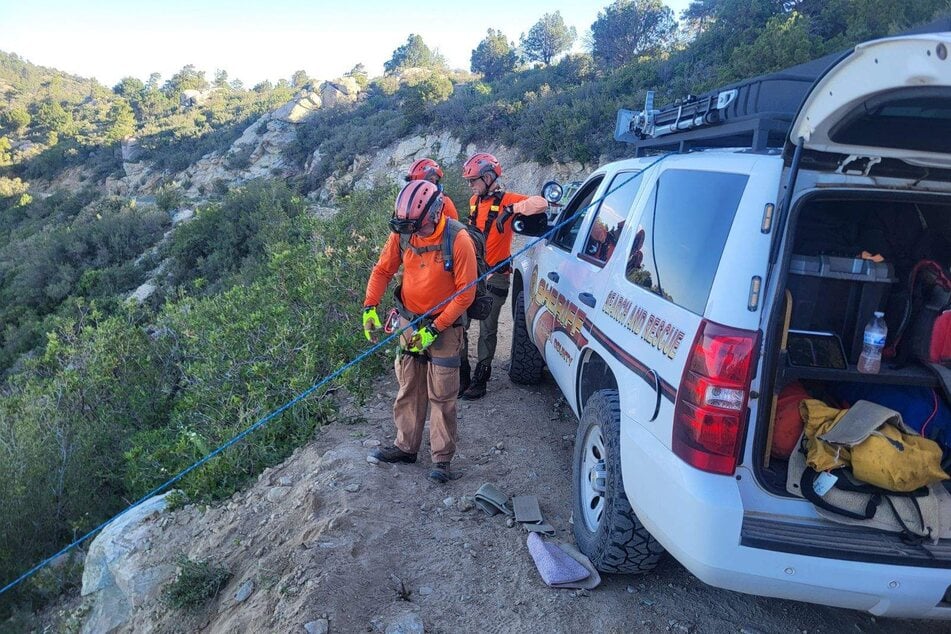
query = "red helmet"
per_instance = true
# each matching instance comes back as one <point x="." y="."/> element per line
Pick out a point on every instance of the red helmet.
<point x="417" y="201"/>
<point x="423" y="170"/>
<point x="480" y="164"/>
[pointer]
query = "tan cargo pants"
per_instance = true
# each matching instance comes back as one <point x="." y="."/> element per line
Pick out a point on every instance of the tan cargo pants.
<point x="431" y="378"/>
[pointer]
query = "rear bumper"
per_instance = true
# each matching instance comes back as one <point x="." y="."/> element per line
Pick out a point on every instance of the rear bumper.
<point x="698" y="518"/>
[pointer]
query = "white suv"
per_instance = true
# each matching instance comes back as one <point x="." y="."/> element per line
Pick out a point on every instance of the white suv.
<point x="657" y="307"/>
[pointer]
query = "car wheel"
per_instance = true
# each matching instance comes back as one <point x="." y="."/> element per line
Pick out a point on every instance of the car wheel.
<point x="605" y="527"/>
<point x="527" y="363"/>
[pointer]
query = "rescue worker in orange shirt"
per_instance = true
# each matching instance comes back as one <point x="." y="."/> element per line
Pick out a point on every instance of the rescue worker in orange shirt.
<point x="428" y="170"/>
<point x="491" y="210"/>
<point x="427" y="366"/>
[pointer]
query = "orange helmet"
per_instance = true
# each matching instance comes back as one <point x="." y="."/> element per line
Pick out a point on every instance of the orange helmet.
<point x="480" y="164"/>
<point x="417" y="201"/>
<point x="423" y="170"/>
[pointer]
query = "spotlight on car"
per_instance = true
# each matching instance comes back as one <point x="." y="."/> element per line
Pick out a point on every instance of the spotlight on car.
<point x="552" y="192"/>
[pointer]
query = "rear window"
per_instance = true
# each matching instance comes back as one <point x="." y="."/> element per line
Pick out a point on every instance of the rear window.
<point x="677" y="247"/>
<point x="920" y="122"/>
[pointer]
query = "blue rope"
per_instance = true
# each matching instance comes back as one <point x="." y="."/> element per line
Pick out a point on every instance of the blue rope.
<point x="297" y="399"/>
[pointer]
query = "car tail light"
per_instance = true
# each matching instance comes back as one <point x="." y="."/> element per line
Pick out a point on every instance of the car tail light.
<point x="711" y="403"/>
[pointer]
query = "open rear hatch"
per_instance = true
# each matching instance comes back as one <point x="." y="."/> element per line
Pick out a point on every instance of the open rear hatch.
<point x="884" y="110"/>
<point x="883" y="107"/>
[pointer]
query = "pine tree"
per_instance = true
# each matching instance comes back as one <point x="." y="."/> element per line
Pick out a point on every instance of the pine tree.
<point x="549" y="37"/>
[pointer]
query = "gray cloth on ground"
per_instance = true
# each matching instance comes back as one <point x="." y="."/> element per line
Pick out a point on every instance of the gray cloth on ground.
<point x="554" y="564"/>
<point x="592" y="581"/>
<point x="491" y="500"/>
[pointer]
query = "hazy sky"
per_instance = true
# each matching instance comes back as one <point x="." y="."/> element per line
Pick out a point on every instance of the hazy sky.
<point x="253" y="41"/>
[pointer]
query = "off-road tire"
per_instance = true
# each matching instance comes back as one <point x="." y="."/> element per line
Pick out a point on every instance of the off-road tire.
<point x="619" y="543"/>
<point x="526" y="361"/>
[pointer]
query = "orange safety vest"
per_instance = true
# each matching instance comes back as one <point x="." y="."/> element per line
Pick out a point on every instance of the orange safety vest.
<point x="482" y="213"/>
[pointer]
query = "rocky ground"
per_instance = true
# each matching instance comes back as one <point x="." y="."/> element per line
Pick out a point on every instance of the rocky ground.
<point x="328" y="541"/>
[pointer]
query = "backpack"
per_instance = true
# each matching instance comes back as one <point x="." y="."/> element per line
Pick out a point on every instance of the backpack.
<point x="482" y="304"/>
<point x="924" y="333"/>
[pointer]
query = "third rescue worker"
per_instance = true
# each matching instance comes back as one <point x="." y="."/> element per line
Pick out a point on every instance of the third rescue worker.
<point x="491" y="209"/>
<point x="428" y="170"/>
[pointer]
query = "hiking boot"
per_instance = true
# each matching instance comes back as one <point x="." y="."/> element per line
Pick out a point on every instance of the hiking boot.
<point x="480" y="378"/>
<point x="475" y="391"/>
<point x="393" y="454"/>
<point x="440" y="473"/>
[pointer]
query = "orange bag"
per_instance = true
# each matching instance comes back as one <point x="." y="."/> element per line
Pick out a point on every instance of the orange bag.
<point x="788" y="424"/>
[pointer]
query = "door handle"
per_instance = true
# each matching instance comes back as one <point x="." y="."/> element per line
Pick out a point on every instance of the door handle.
<point x="553" y="276"/>
<point x="587" y="299"/>
<point x="657" y="395"/>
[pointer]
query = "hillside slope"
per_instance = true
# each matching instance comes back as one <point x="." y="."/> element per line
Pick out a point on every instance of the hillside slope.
<point x="326" y="535"/>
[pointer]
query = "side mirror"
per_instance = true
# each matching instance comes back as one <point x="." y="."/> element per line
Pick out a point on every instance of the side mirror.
<point x="536" y="225"/>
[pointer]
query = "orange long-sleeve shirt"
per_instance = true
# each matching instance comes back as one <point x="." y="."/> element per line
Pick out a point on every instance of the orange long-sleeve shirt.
<point x="498" y="246"/>
<point x="425" y="282"/>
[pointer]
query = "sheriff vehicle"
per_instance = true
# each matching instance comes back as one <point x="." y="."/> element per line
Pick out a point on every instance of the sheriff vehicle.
<point x="659" y="306"/>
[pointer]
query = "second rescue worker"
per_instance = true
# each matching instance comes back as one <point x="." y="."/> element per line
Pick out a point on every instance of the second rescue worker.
<point x="426" y="169"/>
<point x="491" y="209"/>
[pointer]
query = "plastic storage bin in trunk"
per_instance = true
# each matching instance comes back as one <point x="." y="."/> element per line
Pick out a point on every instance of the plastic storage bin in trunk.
<point x="839" y="295"/>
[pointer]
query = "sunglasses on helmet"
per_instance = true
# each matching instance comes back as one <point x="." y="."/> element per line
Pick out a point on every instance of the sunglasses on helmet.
<point x="413" y="225"/>
<point x="406" y="225"/>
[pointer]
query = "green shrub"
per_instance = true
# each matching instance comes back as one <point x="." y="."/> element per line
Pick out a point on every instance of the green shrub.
<point x="197" y="583"/>
<point x="230" y="237"/>
<point x="456" y="188"/>
<point x="66" y="250"/>
<point x="169" y="197"/>
<point x="175" y="500"/>
<point x="64" y="574"/>
<point x="245" y="351"/>
<point x="65" y="420"/>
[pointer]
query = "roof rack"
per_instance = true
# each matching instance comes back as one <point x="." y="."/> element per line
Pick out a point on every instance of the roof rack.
<point x="758" y="133"/>
<point x="754" y="113"/>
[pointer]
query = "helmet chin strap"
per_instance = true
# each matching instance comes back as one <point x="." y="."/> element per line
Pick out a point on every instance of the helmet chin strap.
<point x="428" y="228"/>
<point x="431" y="219"/>
<point x="490" y="186"/>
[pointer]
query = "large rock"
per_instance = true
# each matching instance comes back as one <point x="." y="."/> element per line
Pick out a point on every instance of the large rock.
<point x="391" y="163"/>
<point x="258" y="153"/>
<point x="130" y="149"/>
<point x="191" y="98"/>
<point x="526" y="176"/>
<point x="142" y="293"/>
<point x="115" y="571"/>
<point x="182" y="215"/>
<point x="299" y="109"/>
<point x="339" y="91"/>
<point x="134" y="171"/>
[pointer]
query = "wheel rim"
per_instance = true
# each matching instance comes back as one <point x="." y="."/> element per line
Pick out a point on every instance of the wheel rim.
<point x="593" y="477"/>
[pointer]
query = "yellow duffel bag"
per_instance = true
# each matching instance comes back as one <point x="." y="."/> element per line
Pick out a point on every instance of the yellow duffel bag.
<point x="874" y="441"/>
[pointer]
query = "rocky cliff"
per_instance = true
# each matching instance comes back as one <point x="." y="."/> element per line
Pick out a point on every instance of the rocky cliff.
<point x="259" y="153"/>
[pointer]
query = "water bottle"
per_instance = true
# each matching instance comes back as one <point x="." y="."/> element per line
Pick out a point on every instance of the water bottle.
<point x="870" y="361"/>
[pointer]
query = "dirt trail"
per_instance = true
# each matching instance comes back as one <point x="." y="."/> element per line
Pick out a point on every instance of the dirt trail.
<point x="327" y="535"/>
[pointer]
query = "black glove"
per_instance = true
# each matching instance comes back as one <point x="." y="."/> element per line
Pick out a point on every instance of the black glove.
<point x="506" y="214"/>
